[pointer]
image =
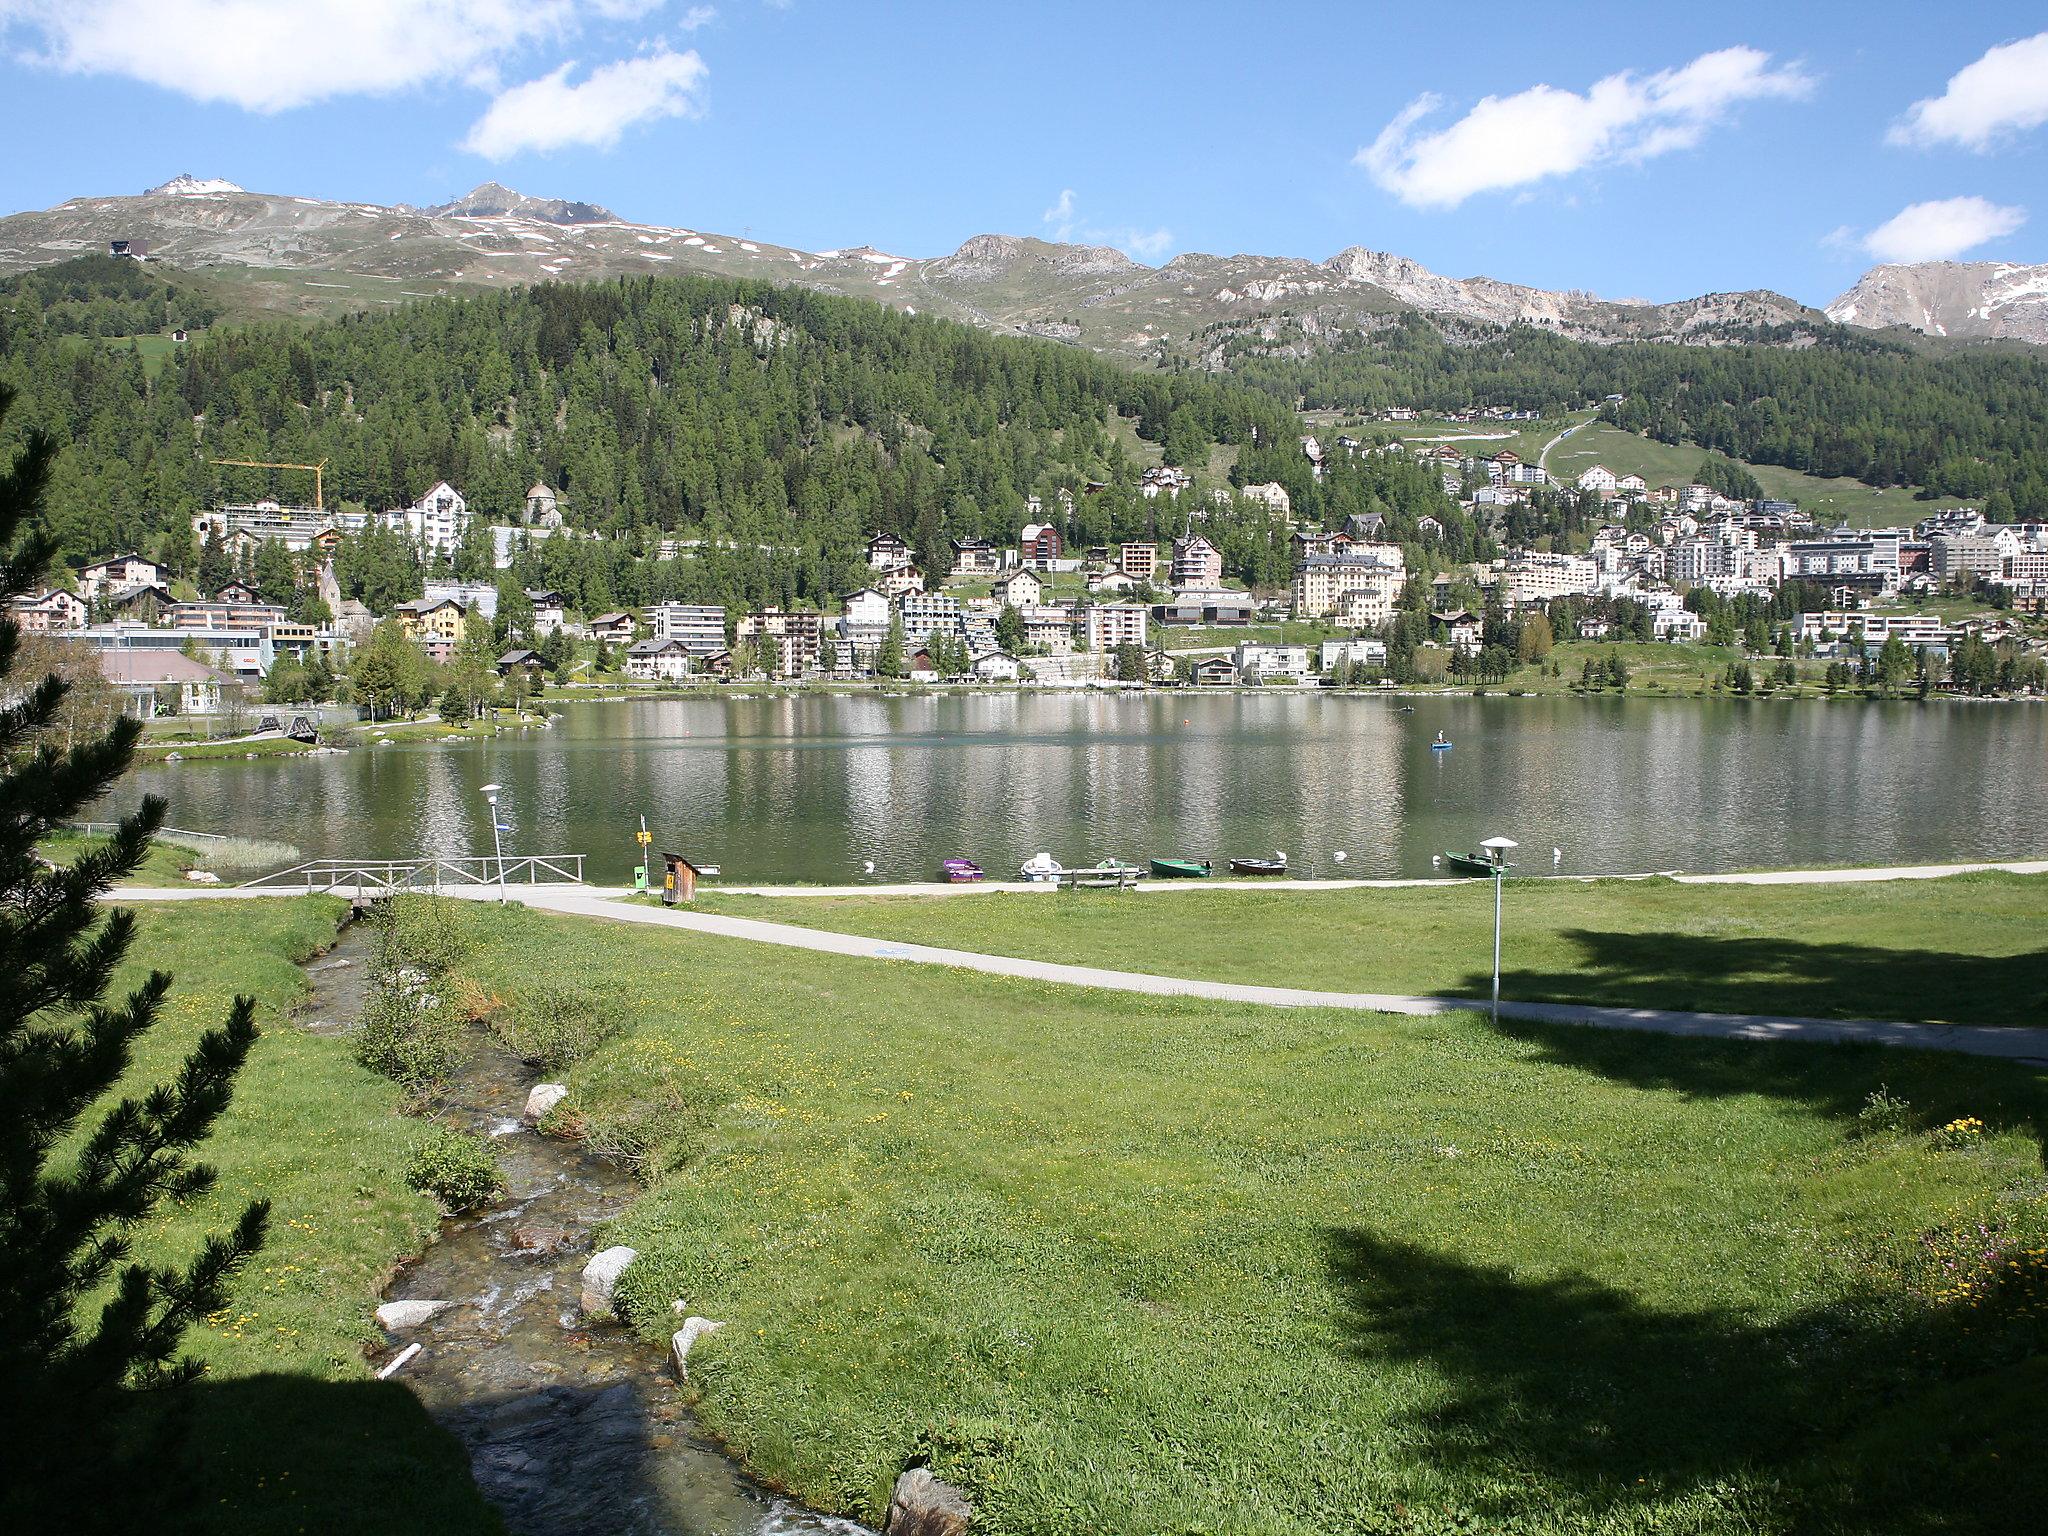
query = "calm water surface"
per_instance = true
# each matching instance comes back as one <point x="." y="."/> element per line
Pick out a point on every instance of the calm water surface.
<point x="815" y="787"/>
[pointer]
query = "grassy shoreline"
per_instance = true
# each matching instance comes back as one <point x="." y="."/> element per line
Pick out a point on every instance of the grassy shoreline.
<point x="1161" y="1264"/>
<point x="1963" y="949"/>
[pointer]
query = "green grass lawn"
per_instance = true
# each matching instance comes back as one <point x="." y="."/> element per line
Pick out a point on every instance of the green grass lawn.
<point x="1119" y="1263"/>
<point x="287" y="1431"/>
<point x="197" y="751"/>
<point x="1967" y="949"/>
<point x="1826" y="501"/>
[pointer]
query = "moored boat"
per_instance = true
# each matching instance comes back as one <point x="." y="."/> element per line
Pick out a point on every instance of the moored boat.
<point x="1181" y="869"/>
<point x="1273" y="866"/>
<point x="1041" y="869"/>
<point x="959" y="871"/>
<point x="1468" y="863"/>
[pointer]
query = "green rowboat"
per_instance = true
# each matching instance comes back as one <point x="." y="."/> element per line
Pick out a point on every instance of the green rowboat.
<point x="1180" y="869"/>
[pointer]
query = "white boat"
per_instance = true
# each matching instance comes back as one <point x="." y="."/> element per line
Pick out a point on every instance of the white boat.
<point x="1041" y="869"/>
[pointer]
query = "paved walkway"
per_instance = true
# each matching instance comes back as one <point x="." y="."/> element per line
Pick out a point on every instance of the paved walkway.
<point x="2015" y="1043"/>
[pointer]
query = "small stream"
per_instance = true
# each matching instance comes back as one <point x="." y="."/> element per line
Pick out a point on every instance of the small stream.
<point x="570" y="1428"/>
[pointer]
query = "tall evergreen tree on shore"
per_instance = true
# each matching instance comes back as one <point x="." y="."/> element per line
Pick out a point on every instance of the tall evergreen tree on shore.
<point x="81" y="1318"/>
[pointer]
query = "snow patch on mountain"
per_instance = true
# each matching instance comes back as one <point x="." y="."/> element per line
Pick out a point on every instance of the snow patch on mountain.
<point x="192" y="186"/>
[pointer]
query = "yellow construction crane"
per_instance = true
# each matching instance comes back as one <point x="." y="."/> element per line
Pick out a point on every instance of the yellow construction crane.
<point x="318" y="472"/>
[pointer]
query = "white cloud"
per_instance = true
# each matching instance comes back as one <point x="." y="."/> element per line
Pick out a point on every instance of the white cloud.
<point x="1063" y="223"/>
<point x="1942" y="230"/>
<point x="2003" y="93"/>
<point x="1512" y="141"/>
<point x="550" y="113"/>
<point x="273" y="55"/>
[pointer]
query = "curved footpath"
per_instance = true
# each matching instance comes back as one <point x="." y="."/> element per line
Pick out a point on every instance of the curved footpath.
<point x="2023" y="1043"/>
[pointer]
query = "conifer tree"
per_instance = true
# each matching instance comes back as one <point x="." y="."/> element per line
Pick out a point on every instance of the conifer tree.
<point x="81" y="1317"/>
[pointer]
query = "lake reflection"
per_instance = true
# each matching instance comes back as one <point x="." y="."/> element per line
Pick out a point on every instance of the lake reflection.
<point x="813" y="787"/>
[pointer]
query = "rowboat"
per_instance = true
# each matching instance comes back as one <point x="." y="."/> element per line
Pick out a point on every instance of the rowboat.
<point x="1259" y="866"/>
<point x="1181" y="869"/>
<point x="959" y="871"/>
<point x="1041" y="869"/>
<point x="1469" y="863"/>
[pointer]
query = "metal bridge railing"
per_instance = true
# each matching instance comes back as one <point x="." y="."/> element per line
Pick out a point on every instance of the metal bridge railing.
<point x="372" y="877"/>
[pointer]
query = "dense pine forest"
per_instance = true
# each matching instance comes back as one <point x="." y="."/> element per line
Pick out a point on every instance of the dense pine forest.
<point x="776" y="426"/>
<point x="1967" y="422"/>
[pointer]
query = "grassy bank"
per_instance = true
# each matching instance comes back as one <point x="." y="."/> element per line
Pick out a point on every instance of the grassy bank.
<point x="1968" y="949"/>
<point x="200" y="751"/>
<point x="1130" y="1264"/>
<point x="287" y="1432"/>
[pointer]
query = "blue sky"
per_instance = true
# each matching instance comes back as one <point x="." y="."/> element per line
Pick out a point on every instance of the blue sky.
<point x="1618" y="148"/>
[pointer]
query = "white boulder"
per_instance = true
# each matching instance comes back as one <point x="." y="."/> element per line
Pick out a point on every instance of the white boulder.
<point x="680" y="1343"/>
<point x="397" y="1316"/>
<point x="601" y="1279"/>
<point x="543" y="1097"/>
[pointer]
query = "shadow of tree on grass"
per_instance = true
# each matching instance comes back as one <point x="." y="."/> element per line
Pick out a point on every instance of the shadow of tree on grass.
<point x="1771" y="975"/>
<point x="1568" y="1400"/>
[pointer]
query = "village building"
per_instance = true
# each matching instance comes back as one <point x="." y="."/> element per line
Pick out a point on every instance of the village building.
<point x="886" y="551"/>
<point x="786" y="643"/>
<point x="900" y="580"/>
<point x="49" y="612"/>
<point x="658" y="661"/>
<point x="1138" y="559"/>
<point x="699" y="626"/>
<point x="1598" y="479"/>
<point x="1196" y="563"/>
<point x="1272" y="663"/>
<point x="1048" y="629"/>
<point x="1321" y="581"/>
<point x="1110" y="625"/>
<point x="153" y="681"/>
<point x="998" y="667"/>
<point x="1272" y="495"/>
<point x="612" y="628"/>
<point x="864" y="624"/>
<point x="436" y="624"/>
<point x="976" y="557"/>
<point x="1019" y="589"/>
<point x="1215" y="672"/>
<point x="925" y="614"/>
<point x="120" y="575"/>
<point x="550" y="611"/>
<point x="1039" y="546"/>
<point x="1363" y="651"/>
<point x="1194" y="606"/>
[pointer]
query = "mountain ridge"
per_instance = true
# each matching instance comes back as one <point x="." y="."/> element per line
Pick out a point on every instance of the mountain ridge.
<point x="1198" y="307"/>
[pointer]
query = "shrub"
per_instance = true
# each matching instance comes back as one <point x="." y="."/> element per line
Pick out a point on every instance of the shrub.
<point x="1883" y="1110"/>
<point x="455" y="1167"/>
<point x="417" y="933"/>
<point x="409" y="1033"/>
<point x="552" y="1027"/>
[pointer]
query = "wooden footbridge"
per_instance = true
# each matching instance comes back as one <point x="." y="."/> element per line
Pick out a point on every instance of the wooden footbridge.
<point x="434" y="875"/>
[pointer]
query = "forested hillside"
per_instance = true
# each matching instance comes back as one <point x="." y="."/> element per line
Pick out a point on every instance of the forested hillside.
<point x="99" y="296"/>
<point x="1967" y="423"/>
<point x="779" y="426"/>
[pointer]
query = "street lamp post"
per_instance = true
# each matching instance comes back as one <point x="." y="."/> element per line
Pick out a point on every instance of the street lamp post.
<point x="497" y="842"/>
<point x="1497" y="854"/>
